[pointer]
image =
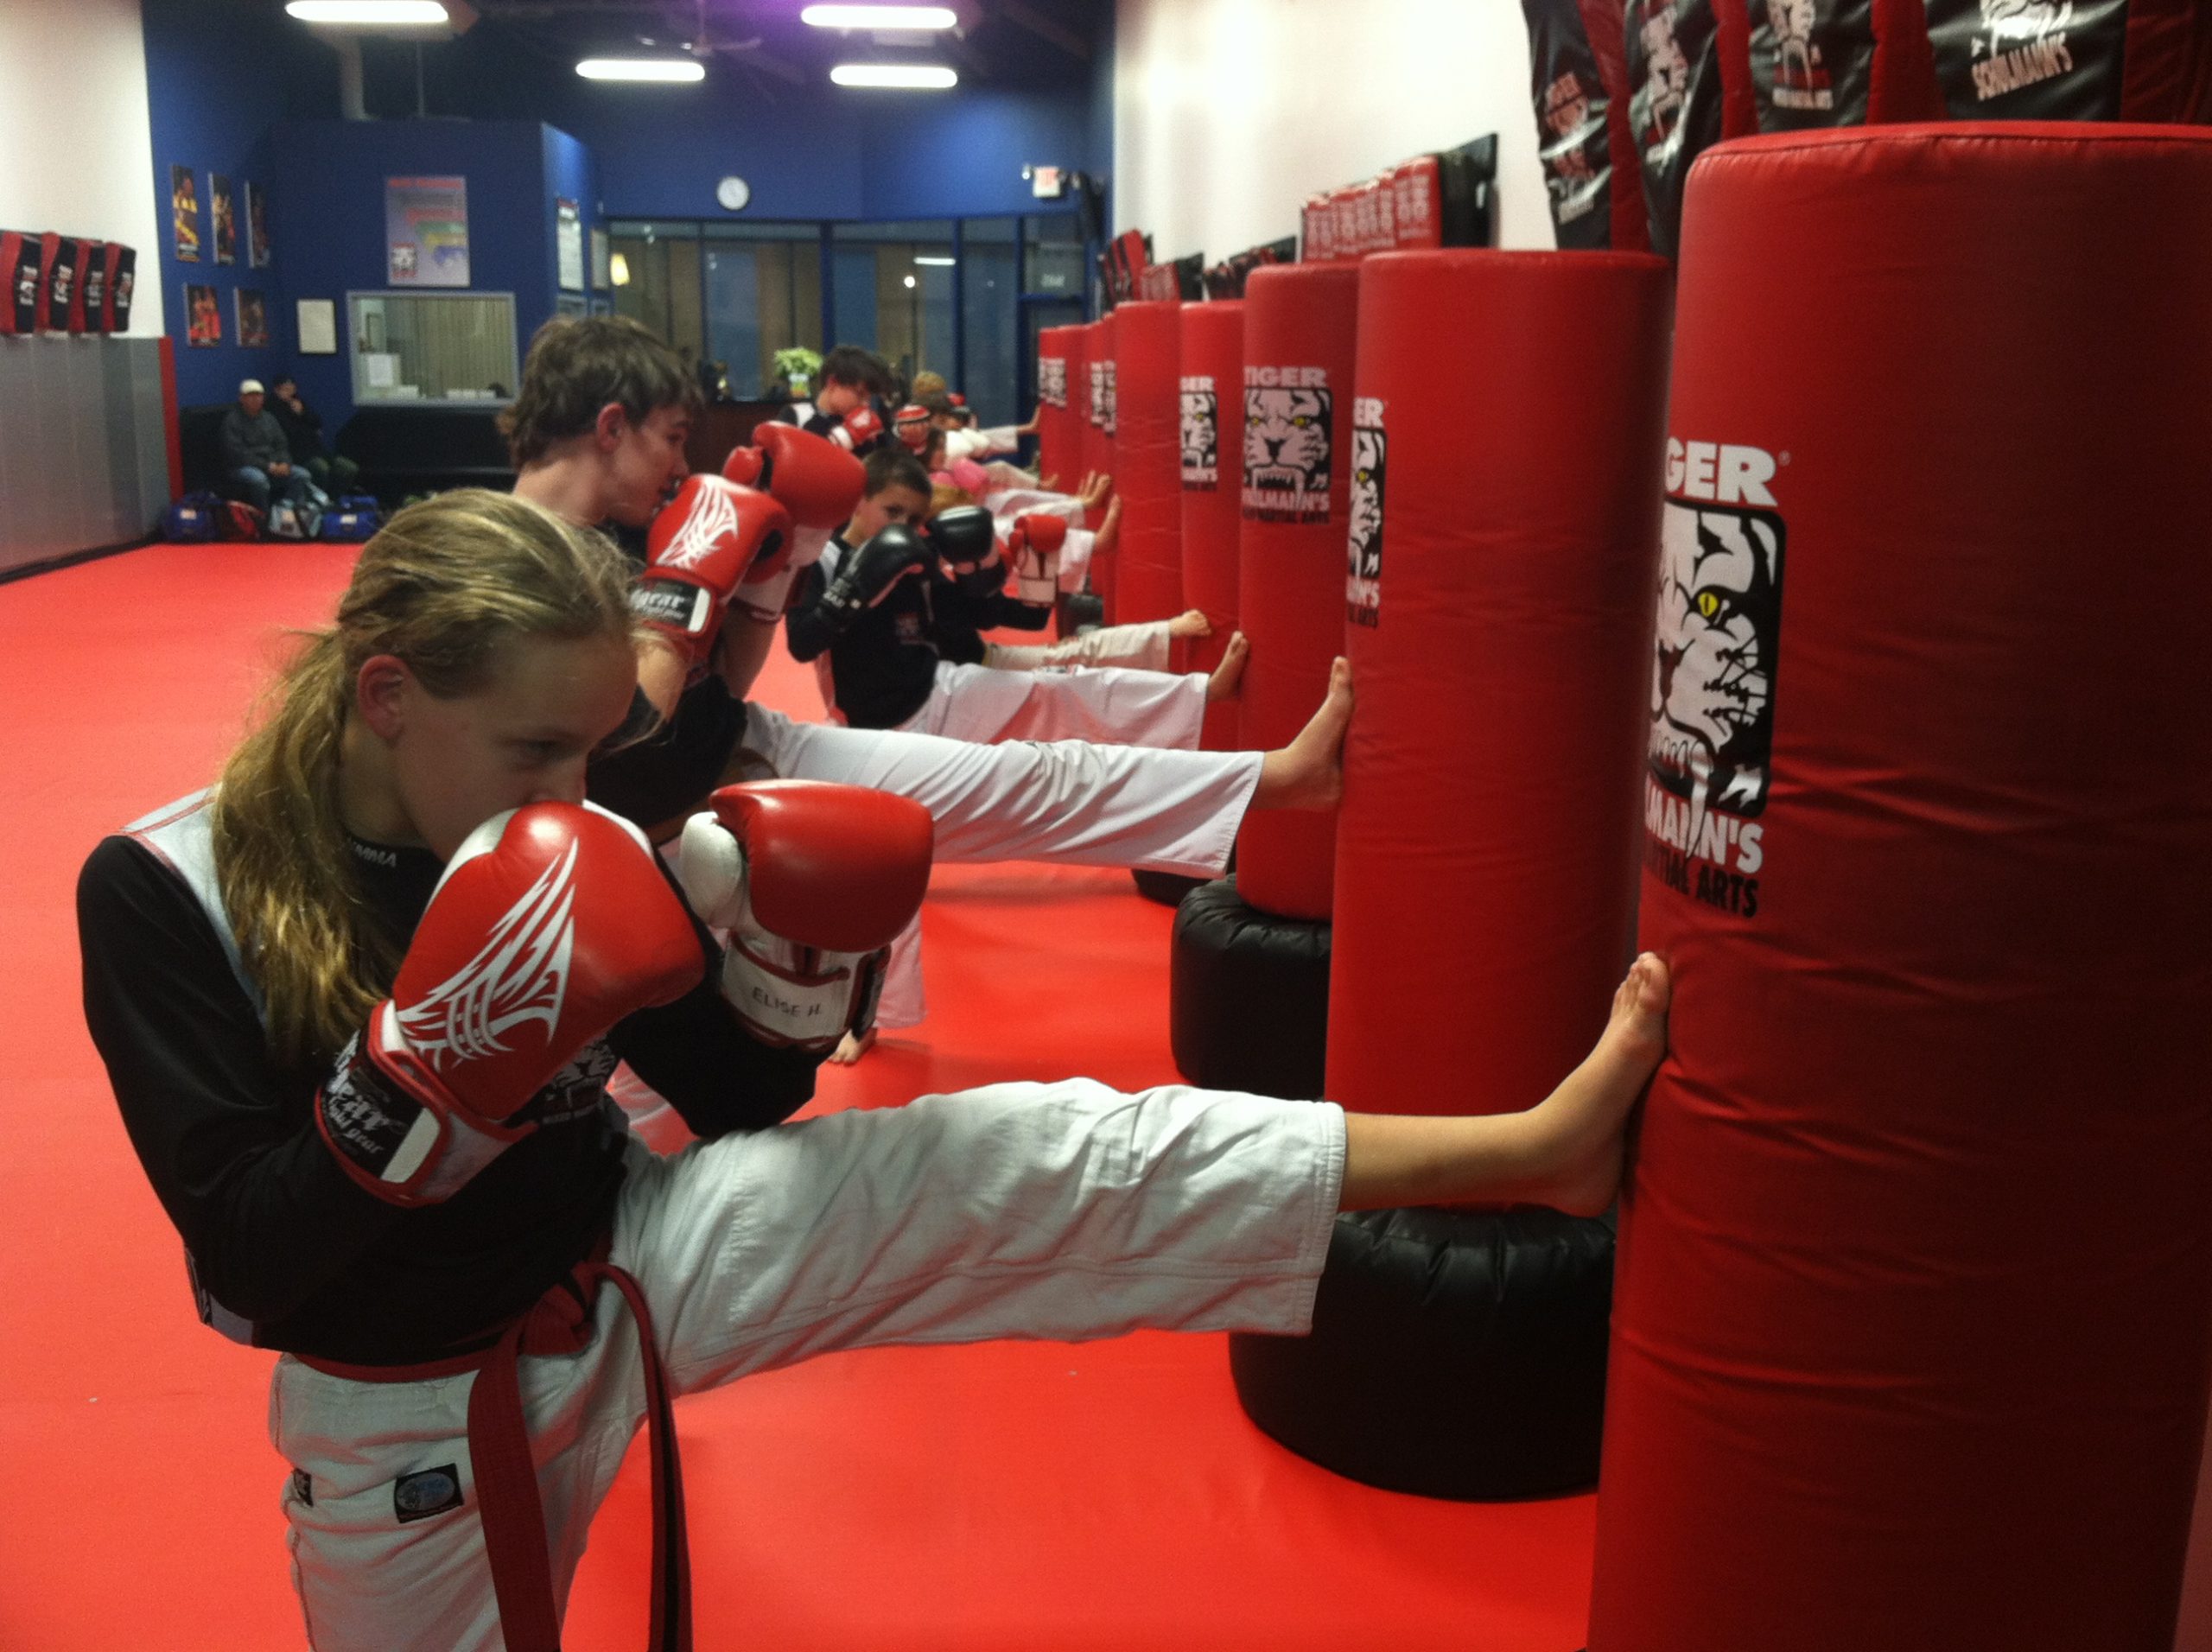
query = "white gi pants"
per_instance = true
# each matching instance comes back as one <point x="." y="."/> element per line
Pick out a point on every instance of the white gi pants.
<point x="1063" y="1212"/>
<point x="1109" y="705"/>
<point x="1143" y="647"/>
<point x="1068" y="801"/>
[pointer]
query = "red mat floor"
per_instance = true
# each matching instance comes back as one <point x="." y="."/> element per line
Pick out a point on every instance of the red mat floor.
<point x="1011" y="1495"/>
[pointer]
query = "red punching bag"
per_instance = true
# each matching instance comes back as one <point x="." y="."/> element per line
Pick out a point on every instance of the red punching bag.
<point x="1299" y="323"/>
<point x="1499" y="572"/>
<point x="1212" y="437"/>
<point x="1148" y="347"/>
<point x="1910" y="1341"/>
<point x="1099" y="448"/>
<point x="1058" y="447"/>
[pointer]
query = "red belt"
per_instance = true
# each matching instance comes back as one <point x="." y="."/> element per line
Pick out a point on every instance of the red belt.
<point x="508" y="1503"/>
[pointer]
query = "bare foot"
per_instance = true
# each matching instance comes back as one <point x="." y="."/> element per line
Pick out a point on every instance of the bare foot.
<point x="1578" y="1128"/>
<point x="1309" y="773"/>
<point x="850" y="1048"/>
<point x="1230" y="672"/>
<point x="1108" y="530"/>
<point x="1191" y="622"/>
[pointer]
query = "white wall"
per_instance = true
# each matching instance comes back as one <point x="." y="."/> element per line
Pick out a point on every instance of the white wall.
<point x="74" y="131"/>
<point x="1229" y="113"/>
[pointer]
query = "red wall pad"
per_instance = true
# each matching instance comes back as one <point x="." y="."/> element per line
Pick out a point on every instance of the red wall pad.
<point x="1500" y="588"/>
<point x="1148" y="353"/>
<point x="1213" y="441"/>
<point x="1058" y="444"/>
<point x="1299" y="321"/>
<point x="1909" y="1343"/>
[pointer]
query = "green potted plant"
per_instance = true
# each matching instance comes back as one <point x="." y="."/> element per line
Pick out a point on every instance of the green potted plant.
<point x="797" y="369"/>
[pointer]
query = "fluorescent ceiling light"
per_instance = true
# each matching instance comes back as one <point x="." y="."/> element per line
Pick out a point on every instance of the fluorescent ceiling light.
<point x="924" y="75"/>
<point x="947" y="262"/>
<point x="377" y="14"/>
<point x="878" y="16"/>
<point x="641" y="68"/>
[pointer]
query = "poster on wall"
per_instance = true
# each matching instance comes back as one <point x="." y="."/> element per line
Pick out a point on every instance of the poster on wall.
<point x="257" y="226"/>
<point x="223" y="217"/>
<point x="203" y="315"/>
<point x="426" y="231"/>
<point x="253" y="318"/>
<point x="601" y="271"/>
<point x="318" y="322"/>
<point x="569" y="244"/>
<point x="184" y="214"/>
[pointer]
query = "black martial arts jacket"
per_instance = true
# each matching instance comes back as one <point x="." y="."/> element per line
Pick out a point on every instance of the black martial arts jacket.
<point x="286" y="1251"/>
<point x="883" y="664"/>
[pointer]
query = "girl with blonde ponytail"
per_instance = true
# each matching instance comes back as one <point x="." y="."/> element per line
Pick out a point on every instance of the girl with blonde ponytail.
<point x="444" y="588"/>
<point x="358" y="1005"/>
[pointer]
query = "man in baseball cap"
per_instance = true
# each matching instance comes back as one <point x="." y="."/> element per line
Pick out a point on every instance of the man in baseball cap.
<point x="256" y="457"/>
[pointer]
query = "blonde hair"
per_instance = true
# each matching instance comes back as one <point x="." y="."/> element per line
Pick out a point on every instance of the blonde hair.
<point x="943" y="496"/>
<point x="445" y="587"/>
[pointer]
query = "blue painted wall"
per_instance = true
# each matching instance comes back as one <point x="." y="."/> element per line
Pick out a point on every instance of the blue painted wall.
<point x="331" y="178"/>
<point x="810" y="151"/>
<point x="237" y="88"/>
<point x="217" y="78"/>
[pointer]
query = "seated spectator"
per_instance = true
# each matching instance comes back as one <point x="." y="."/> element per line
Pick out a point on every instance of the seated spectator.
<point x="303" y="433"/>
<point x="256" y="459"/>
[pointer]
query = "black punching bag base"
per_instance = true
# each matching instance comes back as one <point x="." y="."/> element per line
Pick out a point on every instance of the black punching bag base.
<point x="1168" y="888"/>
<point x="1248" y="995"/>
<point x="1455" y="1354"/>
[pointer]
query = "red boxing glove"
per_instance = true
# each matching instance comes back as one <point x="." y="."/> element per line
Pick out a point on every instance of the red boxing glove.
<point x="814" y="479"/>
<point x="862" y="428"/>
<point x="551" y="923"/>
<point x="714" y="537"/>
<point x="811" y="476"/>
<point x="1032" y="552"/>
<point x="812" y="882"/>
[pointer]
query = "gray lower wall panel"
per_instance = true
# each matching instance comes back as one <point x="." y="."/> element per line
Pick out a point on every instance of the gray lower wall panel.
<point x="84" y="453"/>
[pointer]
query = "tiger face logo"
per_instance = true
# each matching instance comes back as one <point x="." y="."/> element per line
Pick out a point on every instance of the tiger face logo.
<point x="1201" y="433"/>
<point x="1052" y="380"/>
<point x="1573" y="119"/>
<point x="1364" y="544"/>
<point x="1666" y="74"/>
<point x="1789" y="25"/>
<point x="1720" y="617"/>
<point x="1286" y="453"/>
<point x="1110" y="401"/>
<point x="2021" y="22"/>
<point x="1097" y="393"/>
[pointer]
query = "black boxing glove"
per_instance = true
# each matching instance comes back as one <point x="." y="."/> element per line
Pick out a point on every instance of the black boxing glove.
<point x="966" y="540"/>
<point x="874" y="571"/>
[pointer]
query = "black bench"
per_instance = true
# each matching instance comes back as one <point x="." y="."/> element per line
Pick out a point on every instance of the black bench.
<point x="426" y="447"/>
<point x="199" y="436"/>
